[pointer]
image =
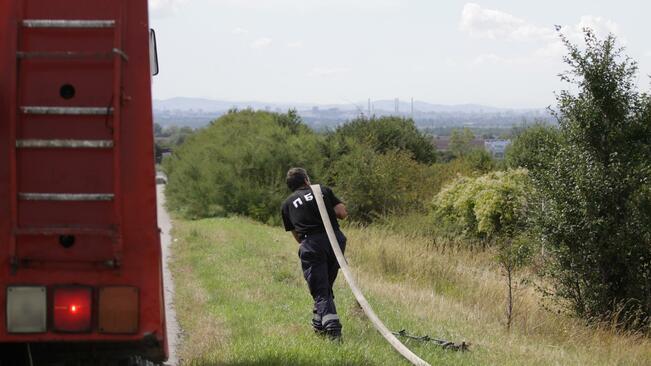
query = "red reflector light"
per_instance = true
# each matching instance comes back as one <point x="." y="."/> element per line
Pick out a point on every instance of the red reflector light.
<point x="72" y="309"/>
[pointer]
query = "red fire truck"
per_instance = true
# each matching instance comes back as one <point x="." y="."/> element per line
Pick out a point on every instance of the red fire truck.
<point x="80" y="256"/>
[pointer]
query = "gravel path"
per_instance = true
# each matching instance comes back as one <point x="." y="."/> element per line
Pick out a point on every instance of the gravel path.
<point x="165" y="225"/>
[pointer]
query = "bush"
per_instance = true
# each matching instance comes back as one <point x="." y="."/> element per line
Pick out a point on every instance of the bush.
<point x="494" y="204"/>
<point x="461" y="142"/>
<point x="476" y="163"/>
<point x="375" y="184"/>
<point x="595" y="215"/>
<point x="238" y="165"/>
<point x="384" y="134"/>
<point x="534" y="147"/>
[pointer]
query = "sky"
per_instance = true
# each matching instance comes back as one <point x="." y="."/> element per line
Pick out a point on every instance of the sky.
<point x="502" y="53"/>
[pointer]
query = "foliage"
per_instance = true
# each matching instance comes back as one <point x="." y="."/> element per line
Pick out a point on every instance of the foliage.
<point x="238" y="165"/>
<point x="534" y="147"/>
<point x="171" y="136"/>
<point x="158" y="130"/>
<point x="167" y="139"/>
<point x="595" y="212"/>
<point x="374" y="184"/>
<point x="377" y="166"/>
<point x="494" y="204"/>
<point x="477" y="163"/>
<point x="499" y="131"/>
<point x="493" y="207"/>
<point x="292" y="121"/>
<point x="461" y="142"/>
<point x="384" y="134"/>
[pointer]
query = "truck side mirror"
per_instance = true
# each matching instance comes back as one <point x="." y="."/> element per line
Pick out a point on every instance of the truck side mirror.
<point x="153" y="52"/>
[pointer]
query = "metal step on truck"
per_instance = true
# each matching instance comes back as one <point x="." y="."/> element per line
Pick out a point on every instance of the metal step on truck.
<point x="80" y="256"/>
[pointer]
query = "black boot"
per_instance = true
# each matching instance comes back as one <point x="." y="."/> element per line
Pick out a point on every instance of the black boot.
<point x="332" y="326"/>
<point x="316" y="323"/>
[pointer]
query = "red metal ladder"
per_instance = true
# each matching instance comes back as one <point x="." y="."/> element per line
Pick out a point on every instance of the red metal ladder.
<point x="117" y="55"/>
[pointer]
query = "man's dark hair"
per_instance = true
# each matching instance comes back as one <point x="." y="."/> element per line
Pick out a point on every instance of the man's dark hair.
<point x="296" y="178"/>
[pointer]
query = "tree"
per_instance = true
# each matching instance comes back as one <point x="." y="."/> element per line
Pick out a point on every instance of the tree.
<point x="514" y="252"/>
<point x="461" y="142"/>
<point x="237" y="165"/>
<point x="385" y="134"/>
<point x="493" y="207"/>
<point x="374" y="184"/>
<point x="158" y="130"/>
<point x="490" y="206"/>
<point x="533" y="147"/>
<point x="595" y="201"/>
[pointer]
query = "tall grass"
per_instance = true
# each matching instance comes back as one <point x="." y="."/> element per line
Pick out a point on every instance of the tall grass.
<point x="242" y="301"/>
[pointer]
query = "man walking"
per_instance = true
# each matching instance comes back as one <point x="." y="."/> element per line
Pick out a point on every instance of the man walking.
<point x="301" y="216"/>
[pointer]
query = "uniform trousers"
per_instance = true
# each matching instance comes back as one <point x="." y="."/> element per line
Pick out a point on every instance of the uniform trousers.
<point x="320" y="270"/>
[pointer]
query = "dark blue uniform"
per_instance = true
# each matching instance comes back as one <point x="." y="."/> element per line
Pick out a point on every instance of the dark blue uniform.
<point x="301" y="214"/>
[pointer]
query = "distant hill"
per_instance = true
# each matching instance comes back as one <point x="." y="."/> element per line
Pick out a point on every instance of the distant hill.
<point x="405" y="106"/>
<point x="208" y="105"/>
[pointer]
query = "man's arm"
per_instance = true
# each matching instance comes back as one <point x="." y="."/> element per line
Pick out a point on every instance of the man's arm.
<point x="340" y="211"/>
<point x="296" y="236"/>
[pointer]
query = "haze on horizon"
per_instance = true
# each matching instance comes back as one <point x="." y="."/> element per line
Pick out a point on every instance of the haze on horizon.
<point x="502" y="53"/>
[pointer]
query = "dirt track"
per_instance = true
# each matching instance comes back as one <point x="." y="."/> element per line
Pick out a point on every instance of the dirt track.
<point x="165" y="225"/>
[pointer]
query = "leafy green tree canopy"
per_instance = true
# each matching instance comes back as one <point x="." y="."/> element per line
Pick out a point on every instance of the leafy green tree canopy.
<point x="385" y="134"/>
<point x="595" y="212"/>
<point x="492" y="205"/>
<point x="374" y="184"/>
<point x="238" y="165"/>
<point x="534" y="147"/>
<point x="461" y="142"/>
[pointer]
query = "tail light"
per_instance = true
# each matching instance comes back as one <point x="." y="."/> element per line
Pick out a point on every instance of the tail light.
<point x="72" y="309"/>
<point x="26" y="309"/>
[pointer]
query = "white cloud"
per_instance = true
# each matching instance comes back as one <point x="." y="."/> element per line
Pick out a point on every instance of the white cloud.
<point x="497" y="25"/>
<point x="648" y="54"/>
<point x="295" y="44"/>
<point x="484" y="23"/>
<point x="599" y="25"/>
<point x="239" y="31"/>
<point x="494" y="24"/>
<point x="263" y="42"/>
<point x="327" y="71"/>
<point x="160" y="8"/>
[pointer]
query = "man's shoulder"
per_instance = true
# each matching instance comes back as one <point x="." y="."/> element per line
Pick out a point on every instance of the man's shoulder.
<point x="297" y="193"/>
<point x="287" y="200"/>
<point x="327" y="191"/>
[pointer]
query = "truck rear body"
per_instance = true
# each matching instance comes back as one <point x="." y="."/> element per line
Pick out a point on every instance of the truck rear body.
<point x="80" y="257"/>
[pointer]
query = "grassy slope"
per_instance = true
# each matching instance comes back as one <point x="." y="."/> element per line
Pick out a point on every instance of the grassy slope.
<point x="241" y="300"/>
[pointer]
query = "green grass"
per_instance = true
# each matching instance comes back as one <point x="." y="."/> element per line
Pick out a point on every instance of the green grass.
<point x="241" y="300"/>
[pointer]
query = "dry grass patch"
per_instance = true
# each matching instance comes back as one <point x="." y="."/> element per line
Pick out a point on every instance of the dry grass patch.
<point x="462" y="293"/>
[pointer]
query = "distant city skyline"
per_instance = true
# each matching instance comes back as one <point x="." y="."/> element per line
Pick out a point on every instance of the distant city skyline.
<point x="198" y="112"/>
<point x="501" y="53"/>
